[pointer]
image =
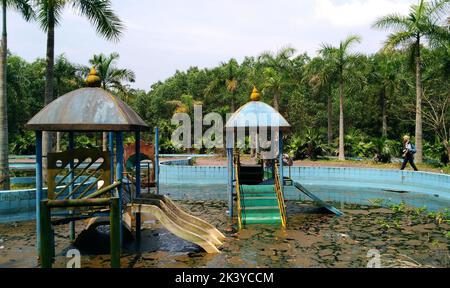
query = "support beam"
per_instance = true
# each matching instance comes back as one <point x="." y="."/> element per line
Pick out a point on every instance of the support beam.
<point x="156" y="164"/>
<point x="280" y="140"/>
<point x="119" y="173"/>
<point x="138" y="182"/>
<point x="230" y="182"/>
<point x="45" y="234"/>
<point x="115" y="228"/>
<point x="111" y="154"/>
<point x="71" y="176"/>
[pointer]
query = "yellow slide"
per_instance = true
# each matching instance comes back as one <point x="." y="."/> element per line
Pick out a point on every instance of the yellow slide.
<point x="180" y="223"/>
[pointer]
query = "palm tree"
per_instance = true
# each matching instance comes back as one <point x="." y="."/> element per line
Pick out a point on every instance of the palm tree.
<point x="340" y="60"/>
<point x="49" y="12"/>
<point x="386" y="73"/>
<point x="228" y="76"/>
<point x="276" y="70"/>
<point x="111" y="77"/>
<point x="67" y="78"/>
<point x="232" y="75"/>
<point x="24" y="8"/>
<point x="421" y="24"/>
<point x="319" y="75"/>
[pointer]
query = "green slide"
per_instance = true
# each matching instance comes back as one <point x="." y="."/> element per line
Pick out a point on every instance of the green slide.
<point x="259" y="205"/>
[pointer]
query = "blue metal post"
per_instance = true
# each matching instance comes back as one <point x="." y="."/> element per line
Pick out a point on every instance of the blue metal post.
<point x="119" y="175"/>
<point x="71" y="176"/>
<point x="111" y="154"/>
<point x="156" y="164"/>
<point x="38" y="187"/>
<point x="230" y="182"/>
<point x="138" y="181"/>
<point x="281" y="160"/>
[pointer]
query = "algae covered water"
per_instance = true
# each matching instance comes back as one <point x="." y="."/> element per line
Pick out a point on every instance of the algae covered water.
<point x="398" y="236"/>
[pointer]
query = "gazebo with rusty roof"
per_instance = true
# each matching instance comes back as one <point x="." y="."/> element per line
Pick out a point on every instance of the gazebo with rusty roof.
<point x="90" y="109"/>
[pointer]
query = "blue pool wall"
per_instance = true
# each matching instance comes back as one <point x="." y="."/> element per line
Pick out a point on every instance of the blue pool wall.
<point x="347" y="185"/>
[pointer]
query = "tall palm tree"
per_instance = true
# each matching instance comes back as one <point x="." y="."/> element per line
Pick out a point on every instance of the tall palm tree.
<point x="111" y="77"/>
<point x="340" y="60"/>
<point x="49" y="13"/>
<point x="276" y="69"/>
<point x="386" y="74"/>
<point x="320" y="77"/>
<point x="422" y="23"/>
<point x="24" y="8"/>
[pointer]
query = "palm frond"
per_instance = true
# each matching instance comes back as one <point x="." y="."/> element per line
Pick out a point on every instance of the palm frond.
<point x="48" y="12"/>
<point x="102" y="16"/>
<point x="399" y="38"/>
<point x="396" y="22"/>
<point x="437" y="9"/>
<point x="349" y="41"/>
<point x="24" y="7"/>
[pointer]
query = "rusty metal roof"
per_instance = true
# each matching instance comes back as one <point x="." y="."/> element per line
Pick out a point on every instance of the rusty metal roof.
<point x="257" y="114"/>
<point x="87" y="109"/>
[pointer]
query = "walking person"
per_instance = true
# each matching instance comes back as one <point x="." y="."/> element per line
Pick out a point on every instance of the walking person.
<point x="408" y="153"/>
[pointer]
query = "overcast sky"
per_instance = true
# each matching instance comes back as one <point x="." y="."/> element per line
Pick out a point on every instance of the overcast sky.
<point x="163" y="36"/>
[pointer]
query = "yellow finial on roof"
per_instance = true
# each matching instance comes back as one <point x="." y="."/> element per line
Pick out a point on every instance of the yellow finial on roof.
<point x="255" y="95"/>
<point x="93" y="80"/>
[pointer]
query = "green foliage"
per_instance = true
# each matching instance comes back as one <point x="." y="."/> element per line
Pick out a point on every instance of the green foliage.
<point x="437" y="151"/>
<point x="23" y="144"/>
<point x="358" y="144"/>
<point x="385" y="149"/>
<point x="399" y="208"/>
<point x="310" y="145"/>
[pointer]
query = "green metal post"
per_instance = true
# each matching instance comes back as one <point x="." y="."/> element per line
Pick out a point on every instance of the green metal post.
<point x="46" y="249"/>
<point x="115" y="232"/>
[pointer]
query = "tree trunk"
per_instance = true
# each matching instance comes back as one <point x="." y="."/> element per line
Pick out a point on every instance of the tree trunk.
<point x="330" y="116"/>
<point x="419" y="93"/>
<point x="341" y="121"/>
<point x="105" y="141"/>
<point x="4" y="166"/>
<point x="47" y="138"/>
<point x="58" y="141"/>
<point x="384" y="112"/>
<point x="276" y="100"/>
<point x="233" y="104"/>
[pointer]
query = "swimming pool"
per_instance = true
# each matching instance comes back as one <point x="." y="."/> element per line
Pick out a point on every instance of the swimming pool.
<point x="342" y="185"/>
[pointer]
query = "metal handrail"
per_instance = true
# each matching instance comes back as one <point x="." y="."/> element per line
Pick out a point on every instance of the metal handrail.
<point x="280" y="197"/>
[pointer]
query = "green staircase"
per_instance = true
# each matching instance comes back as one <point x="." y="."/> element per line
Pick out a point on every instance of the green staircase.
<point x="259" y="205"/>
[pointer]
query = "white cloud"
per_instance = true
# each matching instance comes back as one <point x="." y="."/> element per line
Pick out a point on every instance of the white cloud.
<point x="353" y="13"/>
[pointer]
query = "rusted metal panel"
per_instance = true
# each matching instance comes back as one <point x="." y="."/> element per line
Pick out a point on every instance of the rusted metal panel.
<point x="87" y="109"/>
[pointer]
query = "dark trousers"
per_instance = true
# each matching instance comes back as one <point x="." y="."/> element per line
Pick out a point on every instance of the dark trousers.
<point x="409" y="159"/>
